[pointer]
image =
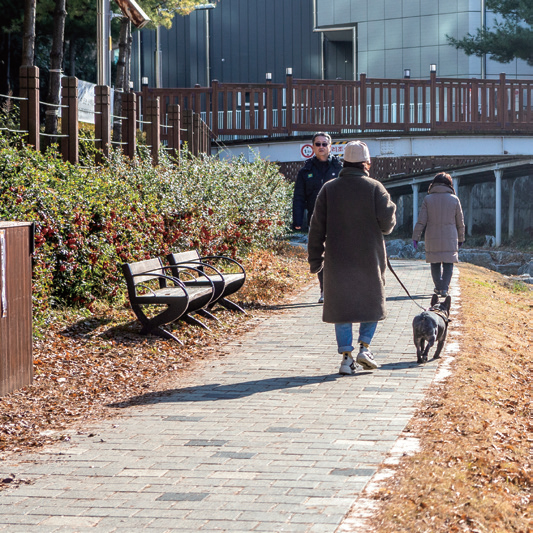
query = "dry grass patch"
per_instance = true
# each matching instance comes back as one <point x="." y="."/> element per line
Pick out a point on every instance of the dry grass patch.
<point x="473" y="472"/>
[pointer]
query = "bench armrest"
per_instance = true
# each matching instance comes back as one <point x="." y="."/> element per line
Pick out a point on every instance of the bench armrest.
<point x="186" y="264"/>
<point x="223" y="258"/>
<point x="176" y="281"/>
<point x="187" y="267"/>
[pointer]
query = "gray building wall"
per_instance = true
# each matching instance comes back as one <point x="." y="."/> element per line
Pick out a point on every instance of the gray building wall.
<point x="247" y="39"/>
<point x="393" y="35"/>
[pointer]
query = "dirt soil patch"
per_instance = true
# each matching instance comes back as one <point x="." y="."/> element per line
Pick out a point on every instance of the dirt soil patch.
<point x="473" y="471"/>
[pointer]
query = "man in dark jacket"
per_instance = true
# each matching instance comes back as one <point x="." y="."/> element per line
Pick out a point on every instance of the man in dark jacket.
<point x="321" y="168"/>
<point x="352" y="213"/>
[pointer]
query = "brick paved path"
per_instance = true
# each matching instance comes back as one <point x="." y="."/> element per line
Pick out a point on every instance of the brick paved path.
<point x="267" y="438"/>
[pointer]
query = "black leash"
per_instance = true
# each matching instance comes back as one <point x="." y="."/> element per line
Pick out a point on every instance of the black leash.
<point x="403" y="286"/>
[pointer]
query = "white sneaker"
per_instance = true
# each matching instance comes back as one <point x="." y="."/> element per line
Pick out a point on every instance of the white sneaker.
<point x="347" y="367"/>
<point x="321" y="299"/>
<point x="365" y="358"/>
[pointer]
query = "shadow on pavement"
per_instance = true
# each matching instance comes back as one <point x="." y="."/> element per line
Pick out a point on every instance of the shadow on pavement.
<point x="301" y="305"/>
<point x="400" y="365"/>
<point x="400" y="298"/>
<point x="215" y="391"/>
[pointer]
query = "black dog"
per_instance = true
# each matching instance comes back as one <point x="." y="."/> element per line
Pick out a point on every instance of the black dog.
<point x="431" y="326"/>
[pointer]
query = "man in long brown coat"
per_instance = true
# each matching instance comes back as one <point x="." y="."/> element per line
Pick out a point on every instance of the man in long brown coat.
<point x="352" y="213"/>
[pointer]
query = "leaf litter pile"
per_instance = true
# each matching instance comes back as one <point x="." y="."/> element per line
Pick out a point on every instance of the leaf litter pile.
<point x="84" y="362"/>
<point x="473" y="471"/>
<point x="475" y="428"/>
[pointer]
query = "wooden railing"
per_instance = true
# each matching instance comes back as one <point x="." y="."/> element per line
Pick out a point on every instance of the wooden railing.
<point x="180" y="127"/>
<point x="437" y="105"/>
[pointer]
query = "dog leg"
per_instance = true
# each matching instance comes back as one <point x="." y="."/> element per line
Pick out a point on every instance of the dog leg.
<point x="419" y="350"/>
<point x="425" y="354"/>
<point x="440" y="344"/>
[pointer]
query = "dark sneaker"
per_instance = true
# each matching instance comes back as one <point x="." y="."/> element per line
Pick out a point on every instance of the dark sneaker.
<point x="321" y="299"/>
<point x="347" y="367"/>
<point x="365" y="358"/>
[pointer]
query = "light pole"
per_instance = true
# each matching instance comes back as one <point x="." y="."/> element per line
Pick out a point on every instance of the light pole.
<point x="102" y="42"/>
<point x="206" y="8"/>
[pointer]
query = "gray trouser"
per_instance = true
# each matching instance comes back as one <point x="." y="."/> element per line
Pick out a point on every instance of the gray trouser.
<point x="442" y="275"/>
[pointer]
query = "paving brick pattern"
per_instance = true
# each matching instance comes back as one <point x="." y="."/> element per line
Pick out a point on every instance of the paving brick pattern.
<point x="265" y="437"/>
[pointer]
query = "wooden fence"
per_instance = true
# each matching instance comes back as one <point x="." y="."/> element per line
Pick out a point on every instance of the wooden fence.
<point x="171" y="131"/>
<point x="195" y="115"/>
<point x="436" y="105"/>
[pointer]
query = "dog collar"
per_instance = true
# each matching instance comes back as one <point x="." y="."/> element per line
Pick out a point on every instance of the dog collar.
<point x="441" y="314"/>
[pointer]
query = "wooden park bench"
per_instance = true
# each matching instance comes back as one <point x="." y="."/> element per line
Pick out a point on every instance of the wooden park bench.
<point x="151" y="285"/>
<point x="228" y="275"/>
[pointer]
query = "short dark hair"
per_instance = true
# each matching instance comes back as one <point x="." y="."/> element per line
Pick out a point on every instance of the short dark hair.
<point x="321" y="134"/>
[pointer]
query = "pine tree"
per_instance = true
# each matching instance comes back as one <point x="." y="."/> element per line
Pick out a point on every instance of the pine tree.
<point x="510" y="38"/>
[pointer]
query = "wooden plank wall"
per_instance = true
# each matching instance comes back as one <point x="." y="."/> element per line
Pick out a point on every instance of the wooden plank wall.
<point x="16" y="360"/>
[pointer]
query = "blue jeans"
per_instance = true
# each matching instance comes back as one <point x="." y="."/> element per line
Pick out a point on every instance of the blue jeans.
<point x="344" y="335"/>
<point x="442" y="275"/>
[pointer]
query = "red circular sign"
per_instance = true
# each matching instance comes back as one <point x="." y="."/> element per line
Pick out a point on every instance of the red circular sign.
<point x="307" y="151"/>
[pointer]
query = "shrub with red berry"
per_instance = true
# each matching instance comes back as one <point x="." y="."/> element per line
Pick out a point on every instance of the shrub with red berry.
<point x="90" y="220"/>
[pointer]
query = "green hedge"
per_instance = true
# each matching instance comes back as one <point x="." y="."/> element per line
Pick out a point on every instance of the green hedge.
<point x="91" y="220"/>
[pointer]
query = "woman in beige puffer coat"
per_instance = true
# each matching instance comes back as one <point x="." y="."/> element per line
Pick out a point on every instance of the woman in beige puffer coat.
<point x="441" y="216"/>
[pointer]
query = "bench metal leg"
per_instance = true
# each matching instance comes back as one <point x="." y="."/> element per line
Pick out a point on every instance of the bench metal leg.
<point x="160" y="332"/>
<point x="153" y="325"/>
<point x="205" y="313"/>
<point x="193" y="321"/>
<point x="232" y="306"/>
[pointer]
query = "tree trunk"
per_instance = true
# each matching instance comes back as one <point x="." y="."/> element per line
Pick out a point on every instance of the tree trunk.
<point x="56" y="62"/>
<point x="121" y="81"/>
<point x="28" y="38"/>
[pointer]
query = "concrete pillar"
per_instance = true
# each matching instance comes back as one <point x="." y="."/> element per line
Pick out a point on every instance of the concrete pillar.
<point x="470" y="210"/>
<point x="511" y="206"/>
<point x="399" y="210"/>
<point x="415" y="188"/>
<point x="498" y="173"/>
<point x="456" y="184"/>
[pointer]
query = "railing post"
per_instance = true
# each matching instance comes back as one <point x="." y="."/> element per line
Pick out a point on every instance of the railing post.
<point x="29" y="108"/>
<point x="69" y="119"/>
<point x="362" y="100"/>
<point x="214" y="107"/>
<point x="102" y="121"/>
<point x="502" y="102"/>
<point x="205" y="134"/>
<point x="288" y="105"/>
<point x="188" y="129"/>
<point x="197" y="133"/>
<point x="407" y="106"/>
<point x="474" y="111"/>
<point x="433" y="99"/>
<point x="129" y="126"/>
<point x="174" y="134"/>
<point x="153" y="132"/>
<point x="207" y="139"/>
